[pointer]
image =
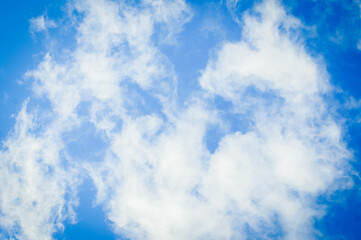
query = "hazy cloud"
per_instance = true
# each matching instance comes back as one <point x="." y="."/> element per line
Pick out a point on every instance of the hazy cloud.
<point x="41" y="23"/>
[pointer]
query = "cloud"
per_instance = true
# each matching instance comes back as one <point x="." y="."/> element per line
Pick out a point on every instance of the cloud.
<point x="294" y="145"/>
<point x="115" y="60"/>
<point x="41" y="23"/>
<point x="156" y="178"/>
<point x="169" y="186"/>
<point x="34" y="182"/>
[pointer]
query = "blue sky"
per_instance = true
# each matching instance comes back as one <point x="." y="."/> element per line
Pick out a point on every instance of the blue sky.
<point x="231" y="119"/>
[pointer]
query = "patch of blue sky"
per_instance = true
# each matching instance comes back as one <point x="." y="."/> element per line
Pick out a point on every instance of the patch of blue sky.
<point x="335" y="21"/>
<point x="233" y="122"/>
<point x="236" y="118"/>
<point x="5" y="234"/>
<point x="343" y="215"/>
<point x="140" y="102"/>
<point x="13" y="95"/>
<point x="211" y="25"/>
<point x="20" y="52"/>
<point x="213" y="135"/>
<point x="85" y="143"/>
<point x="91" y="222"/>
<point x="238" y="8"/>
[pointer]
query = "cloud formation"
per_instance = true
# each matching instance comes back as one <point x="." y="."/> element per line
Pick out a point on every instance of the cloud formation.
<point x="34" y="182"/>
<point x="41" y="23"/>
<point x="156" y="178"/>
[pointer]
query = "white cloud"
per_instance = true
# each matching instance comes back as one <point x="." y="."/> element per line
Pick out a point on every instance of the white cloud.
<point x="169" y="186"/>
<point x="267" y="58"/>
<point x="294" y="144"/>
<point x="41" y="23"/>
<point x="33" y="181"/>
<point x="114" y="50"/>
<point x="157" y="179"/>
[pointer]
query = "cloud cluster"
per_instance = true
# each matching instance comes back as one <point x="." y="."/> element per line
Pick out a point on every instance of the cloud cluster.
<point x="156" y="177"/>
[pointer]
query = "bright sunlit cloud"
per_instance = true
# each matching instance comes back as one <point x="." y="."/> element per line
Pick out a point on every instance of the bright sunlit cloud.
<point x="247" y="154"/>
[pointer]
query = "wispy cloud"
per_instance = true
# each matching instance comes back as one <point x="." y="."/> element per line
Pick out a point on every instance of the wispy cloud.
<point x="41" y="23"/>
<point x="157" y="178"/>
<point x="34" y="182"/>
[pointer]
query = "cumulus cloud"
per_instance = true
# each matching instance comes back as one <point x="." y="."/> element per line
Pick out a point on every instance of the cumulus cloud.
<point x="156" y="177"/>
<point x="294" y="145"/>
<point x="265" y="180"/>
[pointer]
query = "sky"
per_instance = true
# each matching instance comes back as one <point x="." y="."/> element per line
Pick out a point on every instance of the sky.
<point x="174" y="119"/>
